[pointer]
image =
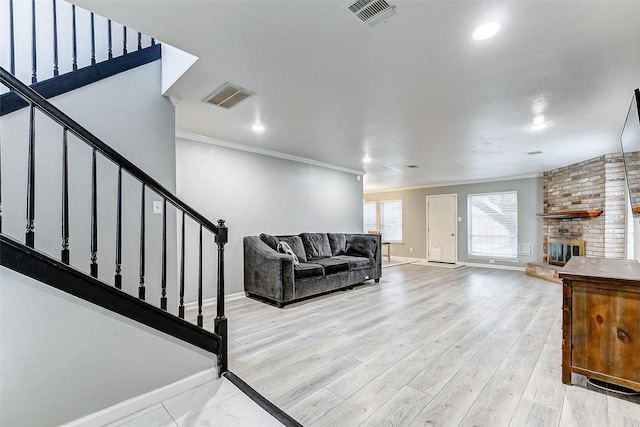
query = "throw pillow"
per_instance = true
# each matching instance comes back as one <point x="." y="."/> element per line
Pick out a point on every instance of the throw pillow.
<point x="296" y="244"/>
<point x="284" y="248"/>
<point x="316" y="245"/>
<point x="270" y="241"/>
<point x="338" y="243"/>
<point x="361" y="246"/>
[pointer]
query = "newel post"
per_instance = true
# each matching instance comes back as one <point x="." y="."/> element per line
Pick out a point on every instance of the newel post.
<point x="220" y="322"/>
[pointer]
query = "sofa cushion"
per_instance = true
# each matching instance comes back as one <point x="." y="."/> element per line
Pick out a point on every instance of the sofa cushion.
<point x="357" y="262"/>
<point x="361" y="246"/>
<point x="316" y="245"/>
<point x="338" y="243"/>
<point x="283" y="247"/>
<point x="306" y="270"/>
<point x="296" y="244"/>
<point x="269" y="240"/>
<point x="333" y="265"/>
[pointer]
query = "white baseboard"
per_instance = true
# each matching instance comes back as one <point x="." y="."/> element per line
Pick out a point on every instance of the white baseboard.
<point x="494" y="266"/>
<point x="138" y="403"/>
<point x="212" y="301"/>
<point x="402" y="259"/>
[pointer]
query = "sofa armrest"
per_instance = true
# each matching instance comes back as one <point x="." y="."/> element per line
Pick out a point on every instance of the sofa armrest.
<point x="266" y="272"/>
<point x="378" y="256"/>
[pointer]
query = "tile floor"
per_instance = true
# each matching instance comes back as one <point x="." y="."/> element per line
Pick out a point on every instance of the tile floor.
<point x="216" y="403"/>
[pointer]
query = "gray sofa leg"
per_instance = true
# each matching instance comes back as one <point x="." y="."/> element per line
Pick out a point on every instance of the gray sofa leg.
<point x="377" y="280"/>
<point x="280" y="304"/>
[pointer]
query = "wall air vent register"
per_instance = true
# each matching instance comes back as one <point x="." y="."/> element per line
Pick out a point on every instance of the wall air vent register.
<point x="228" y="95"/>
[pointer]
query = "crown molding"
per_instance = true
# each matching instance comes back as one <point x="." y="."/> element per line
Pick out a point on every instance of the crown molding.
<point x="262" y="151"/>
<point x="450" y="184"/>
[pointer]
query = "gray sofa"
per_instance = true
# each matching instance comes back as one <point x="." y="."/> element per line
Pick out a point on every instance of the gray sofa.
<point x="327" y="261"/>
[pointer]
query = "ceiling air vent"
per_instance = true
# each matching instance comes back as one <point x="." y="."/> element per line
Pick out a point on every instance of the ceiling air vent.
<point x="372" y="12"/>
<point x="413" y="166"/>
<point x="533" y="153"/>
<point x="228" y="95"/>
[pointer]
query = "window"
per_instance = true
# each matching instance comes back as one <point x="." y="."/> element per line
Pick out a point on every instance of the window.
<point x="369" y="218"/>
<point x="391" y="221"/>
<point x="493" y="224"/>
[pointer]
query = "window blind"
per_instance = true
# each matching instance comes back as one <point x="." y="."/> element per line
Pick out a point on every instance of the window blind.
<point x="391" y="221"/>
<point x="493" y="224"/>
<point x="369" y="218"/>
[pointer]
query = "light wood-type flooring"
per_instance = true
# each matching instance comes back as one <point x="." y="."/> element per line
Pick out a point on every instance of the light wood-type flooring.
<point x="426" y="346"/>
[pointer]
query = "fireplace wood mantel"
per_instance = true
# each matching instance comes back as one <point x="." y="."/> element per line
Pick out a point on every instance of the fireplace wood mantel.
<point x="580" y="213"/>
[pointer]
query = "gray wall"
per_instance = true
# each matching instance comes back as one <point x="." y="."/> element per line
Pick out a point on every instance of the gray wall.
<point x="62" y="358"/>
<point x="414" y="214"/>
<point x="261" y="194"/>
<point x="128" y="113"/>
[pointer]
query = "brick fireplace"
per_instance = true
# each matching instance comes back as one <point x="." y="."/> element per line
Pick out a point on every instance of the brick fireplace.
<point x="593" y="184"/>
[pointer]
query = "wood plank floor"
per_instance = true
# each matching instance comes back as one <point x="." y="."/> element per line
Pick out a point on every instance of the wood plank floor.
<point x="426" y="346"/>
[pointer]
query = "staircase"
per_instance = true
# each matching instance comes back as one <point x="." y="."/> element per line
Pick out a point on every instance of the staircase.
<point x="119" y="272"/>
<point x="99" y="261"/>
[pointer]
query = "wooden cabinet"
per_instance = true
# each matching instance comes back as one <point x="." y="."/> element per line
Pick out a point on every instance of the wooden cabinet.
<point x="601" y="320"/>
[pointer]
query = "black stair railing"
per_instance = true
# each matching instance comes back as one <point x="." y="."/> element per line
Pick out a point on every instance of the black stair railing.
<point x="63" y="48"/>
<point x="69" y="126"/>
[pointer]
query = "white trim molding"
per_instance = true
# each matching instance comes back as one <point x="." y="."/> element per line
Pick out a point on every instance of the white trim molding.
<point x="451" y="184"/>
<point x="404" y="259"/>
<point x="138" y="403"/>
<point x="494" y="266"/>
<point x="262" y="151"/>
<point x="212" y="301"/>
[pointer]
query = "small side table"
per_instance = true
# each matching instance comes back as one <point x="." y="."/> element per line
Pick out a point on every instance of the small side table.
<point x="388" y="245"/>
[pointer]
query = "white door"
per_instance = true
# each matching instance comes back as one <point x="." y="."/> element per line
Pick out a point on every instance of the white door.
<point x="442" y="228"/>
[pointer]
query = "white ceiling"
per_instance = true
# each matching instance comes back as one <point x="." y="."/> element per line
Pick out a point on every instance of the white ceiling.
<point x="415" y="90"/>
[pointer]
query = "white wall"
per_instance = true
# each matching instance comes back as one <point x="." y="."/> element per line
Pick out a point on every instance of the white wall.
<point x="128" y="113"/>
<point x="261" y="194"/>
<point x="63" y="358"/>
<point x="636" y="241"/>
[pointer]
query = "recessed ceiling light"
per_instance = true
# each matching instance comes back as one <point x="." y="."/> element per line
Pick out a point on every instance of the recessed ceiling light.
<point x="486" y="31"/>
<point x="539" y="123"/>
<point x="257" y="128"/>
<point x="367" y="159"/>
<point x="539" y="126"/>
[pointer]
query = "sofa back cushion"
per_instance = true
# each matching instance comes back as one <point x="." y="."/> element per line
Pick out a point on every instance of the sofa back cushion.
<point x="296" y="245"/>
<point x="316" y="245"/>
<point x="338" y="243"/>
<point x="361" y="246"/>
<point x="269" y="240"/>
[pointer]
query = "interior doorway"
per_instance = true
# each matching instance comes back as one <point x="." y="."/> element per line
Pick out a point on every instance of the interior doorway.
<point x="442" y="228"/>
